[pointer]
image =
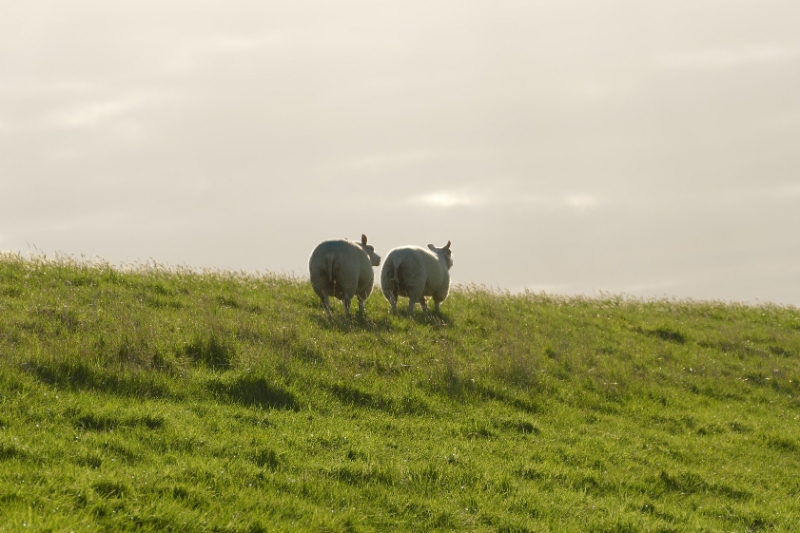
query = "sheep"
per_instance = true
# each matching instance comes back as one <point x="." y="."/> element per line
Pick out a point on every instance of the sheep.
<point x="417" y="272"/>
<point x="343" y="268"/>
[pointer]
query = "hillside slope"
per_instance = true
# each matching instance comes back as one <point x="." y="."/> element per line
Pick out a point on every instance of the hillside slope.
<point x="162" y="399"/>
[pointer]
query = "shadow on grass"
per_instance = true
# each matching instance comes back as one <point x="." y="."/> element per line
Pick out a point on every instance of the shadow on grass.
<point x="382" y="323"/>
<point x="289" y="343"/>
<point x="665" y="334"/>
<point x="110" y="489"/>
<point x="80" y="376"/>
<point x="255" y="391"/>
<point x="210" y="351"/>
<point x="692" y="483"/>
<point x="269" y="459"/>
<point x="356" y="322"/>
<point x="425" y="318"/>
<point x="514" y="399"/>
<point x="102" y="422"/>
<point x="360" y="475"/>
<point x="9" y="451"/>
<point x="351" y="395"/>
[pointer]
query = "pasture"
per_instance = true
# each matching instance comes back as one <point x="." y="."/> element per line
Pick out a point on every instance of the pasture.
<point x="163" y="399"/>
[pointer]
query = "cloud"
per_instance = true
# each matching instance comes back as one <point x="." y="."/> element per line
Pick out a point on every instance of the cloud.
<point x="188" y="55"/>
<point x="730" y="57"/>
<point x="572" y="202"/>
<point x="790" y="191"/>
<point x="580" y="202"/>
<point x="447" y="199"/>
<point x="94" y="113"/>
<point x="381" y="161"/>
<point x="240" y="43"/>
<point x="480" y="199"/>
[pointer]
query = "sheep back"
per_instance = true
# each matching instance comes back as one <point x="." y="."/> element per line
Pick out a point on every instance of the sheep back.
<point x="340" y="268"/>
<point x="415" y="272"/>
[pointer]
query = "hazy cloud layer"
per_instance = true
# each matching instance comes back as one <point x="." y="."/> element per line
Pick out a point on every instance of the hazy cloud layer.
<point x="569" y="146"/>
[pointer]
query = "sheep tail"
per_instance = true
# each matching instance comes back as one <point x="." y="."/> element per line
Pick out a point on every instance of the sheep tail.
<point x="393" y="277"/>
<point x="330" y="268"/>
<point x="331" y="278"/>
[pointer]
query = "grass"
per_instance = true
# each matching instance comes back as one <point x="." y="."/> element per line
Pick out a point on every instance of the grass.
<point x="156" y="399"/>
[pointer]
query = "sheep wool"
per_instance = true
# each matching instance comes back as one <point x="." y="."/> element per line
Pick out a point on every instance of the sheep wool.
<point x="343" y="269"/>
<point x="417" y="272"/>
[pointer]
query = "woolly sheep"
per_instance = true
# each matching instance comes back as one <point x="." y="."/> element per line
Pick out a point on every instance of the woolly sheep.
<point x="343" y="269"/>
<point x="417" y="272"/>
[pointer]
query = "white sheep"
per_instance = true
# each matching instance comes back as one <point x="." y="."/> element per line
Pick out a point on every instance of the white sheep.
<point x="417" y="272"/>
<point x="343" y="269"/>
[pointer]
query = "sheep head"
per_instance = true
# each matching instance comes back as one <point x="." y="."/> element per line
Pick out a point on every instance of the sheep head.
<point x="444" y="254"/>
<point x="374" y="259"/>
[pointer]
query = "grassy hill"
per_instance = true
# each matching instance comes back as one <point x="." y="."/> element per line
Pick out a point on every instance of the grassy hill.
<point x="169" y="400"/>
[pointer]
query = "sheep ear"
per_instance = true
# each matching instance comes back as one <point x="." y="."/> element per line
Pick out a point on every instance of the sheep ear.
<point x="447" y="246"/>
<point x="363" y="239"/>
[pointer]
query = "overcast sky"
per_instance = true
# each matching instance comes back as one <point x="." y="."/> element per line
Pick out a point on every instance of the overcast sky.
<point x="637" y="147"/>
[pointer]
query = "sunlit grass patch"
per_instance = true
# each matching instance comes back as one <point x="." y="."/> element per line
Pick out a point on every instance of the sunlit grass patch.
<point x="153" y="398"/>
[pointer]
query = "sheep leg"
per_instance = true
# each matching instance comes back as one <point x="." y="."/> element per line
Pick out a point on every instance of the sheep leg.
<point x="391" y="296"/>
<point x="395" y="296"/>
<point x="361" y="308"/>
<point x="326" y="305"/>
<point x="393" y="302"/>
<point x="423" y="304"/>
<point x="346" y="302"/>
<point x="414" y="296"/>
<point x="438" y="307"/>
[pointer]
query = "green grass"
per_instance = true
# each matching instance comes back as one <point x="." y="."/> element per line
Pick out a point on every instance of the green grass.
<point x="170" y="400"/>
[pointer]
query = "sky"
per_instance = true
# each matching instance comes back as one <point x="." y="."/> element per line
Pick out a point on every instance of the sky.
<point x="576" y="147"/>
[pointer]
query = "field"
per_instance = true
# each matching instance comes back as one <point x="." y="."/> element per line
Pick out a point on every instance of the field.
<point x="164" y="399"/>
